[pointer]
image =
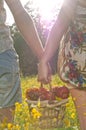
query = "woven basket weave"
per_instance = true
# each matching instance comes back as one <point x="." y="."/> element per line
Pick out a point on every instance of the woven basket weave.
<point x="52" y="113"/>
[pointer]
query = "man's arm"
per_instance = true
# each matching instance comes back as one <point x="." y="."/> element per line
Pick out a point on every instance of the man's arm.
<point x="26" y="26"/>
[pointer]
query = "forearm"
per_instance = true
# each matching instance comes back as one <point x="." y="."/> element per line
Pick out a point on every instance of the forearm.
<point x="26" y="26"/>
<point x="29" y="32"/>
<point x="61" y="25"/>
<point x="54" y="39"/>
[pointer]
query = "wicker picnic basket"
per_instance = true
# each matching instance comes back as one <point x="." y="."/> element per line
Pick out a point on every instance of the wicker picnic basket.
<point x="52" y="113"/>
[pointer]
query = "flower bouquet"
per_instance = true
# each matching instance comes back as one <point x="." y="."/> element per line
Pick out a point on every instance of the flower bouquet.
<point x="51" y="103"/>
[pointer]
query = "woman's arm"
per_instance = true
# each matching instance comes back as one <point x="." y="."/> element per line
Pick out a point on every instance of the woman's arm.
<point x="61" y="25"/>
<point x="26" y="26"/>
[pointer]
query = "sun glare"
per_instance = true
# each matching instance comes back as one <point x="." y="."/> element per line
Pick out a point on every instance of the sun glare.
<point x="47" y="7"/>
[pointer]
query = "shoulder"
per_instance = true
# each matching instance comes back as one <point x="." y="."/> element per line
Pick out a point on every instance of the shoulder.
<point x="69" y="7"/>
<point x="70" y="3"/>
<point x="82" y="3"/>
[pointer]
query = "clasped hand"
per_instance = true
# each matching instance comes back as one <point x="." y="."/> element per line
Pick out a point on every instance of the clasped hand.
<point x="44" y="72"/>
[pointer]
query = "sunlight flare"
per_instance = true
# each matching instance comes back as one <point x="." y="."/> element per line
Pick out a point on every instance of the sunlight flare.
<point x="47" y="7"/>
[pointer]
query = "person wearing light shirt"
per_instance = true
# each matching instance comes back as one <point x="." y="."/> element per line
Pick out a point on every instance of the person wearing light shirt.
<point x="10" y="88"/>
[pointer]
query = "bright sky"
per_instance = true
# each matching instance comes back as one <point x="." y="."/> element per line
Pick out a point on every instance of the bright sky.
<point x="45" y="7"/>
<point x="10" y="19"/>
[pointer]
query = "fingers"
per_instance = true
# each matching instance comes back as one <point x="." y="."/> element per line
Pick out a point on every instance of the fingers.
<point x="44" y="79"/>
<point x="44" y="73"/>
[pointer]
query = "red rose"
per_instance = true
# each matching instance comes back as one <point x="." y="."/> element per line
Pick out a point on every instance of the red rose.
<point x="62" y="92"/>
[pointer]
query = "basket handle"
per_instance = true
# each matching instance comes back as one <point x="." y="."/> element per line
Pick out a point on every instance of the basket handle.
<point x="50" y="88"/>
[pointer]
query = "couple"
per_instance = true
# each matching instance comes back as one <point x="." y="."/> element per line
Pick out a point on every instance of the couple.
<point x="68" y="33"/>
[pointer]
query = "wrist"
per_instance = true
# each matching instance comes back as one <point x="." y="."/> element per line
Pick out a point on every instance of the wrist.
<point x="43" y="58"/>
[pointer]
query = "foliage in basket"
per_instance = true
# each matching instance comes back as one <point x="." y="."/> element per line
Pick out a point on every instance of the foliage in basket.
<point x="45" y="94"/>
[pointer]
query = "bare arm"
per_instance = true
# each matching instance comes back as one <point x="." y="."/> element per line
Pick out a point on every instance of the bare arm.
<point x="26" y="26"/>
<point x="62" y="23"/>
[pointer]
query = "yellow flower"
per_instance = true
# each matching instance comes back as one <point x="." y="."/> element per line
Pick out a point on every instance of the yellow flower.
<point x="34" y="110"/>
<point x="67" y="104"/>
<point x="58" y="99"/>
<point x="16" y="127"/>
<point x="73" y="115"/>
<point x="84" y="114"/>
<point x="39" y="104"/>
<point x="9" y="126"/>
<point x="67" y="122"/>
<point x="35" y="113"/>
<point x="74" y="99"/>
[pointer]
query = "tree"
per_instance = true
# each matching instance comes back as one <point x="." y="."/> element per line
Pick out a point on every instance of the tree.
<point x="27" y="60"/>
